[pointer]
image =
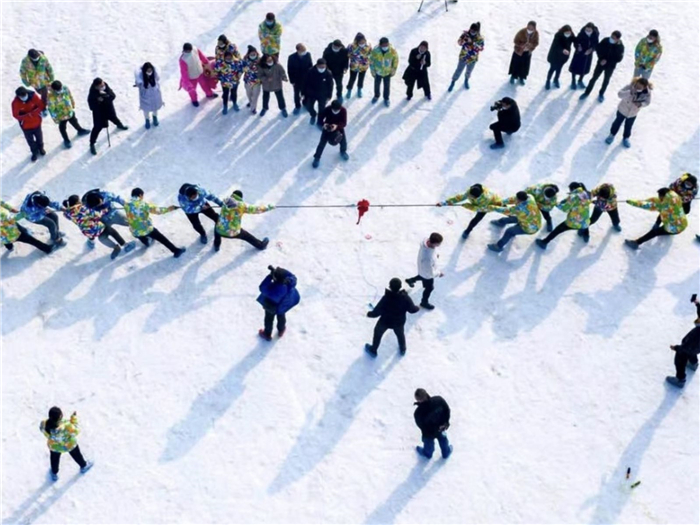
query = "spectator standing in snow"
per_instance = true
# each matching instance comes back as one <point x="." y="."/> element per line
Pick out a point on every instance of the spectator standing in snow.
<point x="251" y="78"/>
<point x="36" y="72"/>
<point x="391" y="310"/>
<point x="417" y="70"/>
<point x="358" y="54"/>
<point x="337" y="61"/>
<point x="150" y="97"/>
<point x="432" y="416"/>
<point x="577" y="207"/>
<point x="686" y="352"/>
<point x="610" y="52"/>
<point x="229" y="223"/>
<point x="383" y="63"/>
<point x="605" y="202"/>
<point x="686" y="186"/>
<point x="427" y="268"/>
<point x="138" y="215"/>
<point x="101" y="102"/>
<point x="333" y="120"/>
<point x="634" y="97"/>
<point x="298" y="65"/>
<point x="11" y="231"/>
<point x="39" y="209"/>
<point x="62" y="111"/>
<point x="525" y="42"/>
<point x="27" y="108"/>
<point x="478" y="198"/>
<point x="91" y="226"/>
<point x="223" y="46"/>
<point x="508" y="120"/>
<point x="669" y="206"/>
<point x="524" y="215"/>
<point x="318" y="89"/>
<point x="278" y="295"/>
<point x="585" y="45"/>
<point x="272" y="75"/>
<point x="62" y="437"/>
<point x="193" y="201"/>
<point x="472" y="44"/>
<point x="193" y="68"/>
<point x="559" y="53"/>
<point x="228" y="70"/>
<point x="647" y="54"/>
<point x="270" y="34"/>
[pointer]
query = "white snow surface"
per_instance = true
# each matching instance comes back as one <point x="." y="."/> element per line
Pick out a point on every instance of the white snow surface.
<point x="553" y="362"/>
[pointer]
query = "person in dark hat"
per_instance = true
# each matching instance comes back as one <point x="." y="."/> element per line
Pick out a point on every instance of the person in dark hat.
<point x="391" y="310"/>
<point x="336" y="55"/>
<point x="508" y="120"/>
<point x="27" y="108"/>
<point x="318" y="89"/>
<point x="432" y="416"/>
<point x="332" y="121"/>
<point x="278" y="295"/>
<point x="417" y="70"/>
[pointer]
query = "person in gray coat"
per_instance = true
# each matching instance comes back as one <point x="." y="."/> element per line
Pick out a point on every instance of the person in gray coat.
<point x="272" y="75"/>
<point x="634" y="97"/>
<point x="150" y="97"/>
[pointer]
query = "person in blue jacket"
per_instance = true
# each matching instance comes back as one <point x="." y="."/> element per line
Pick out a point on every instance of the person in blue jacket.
<point x="99" y="200"/>
<point x="278" y="295"/>
<point x="35" y="209"/>
<point x="193" y="201"/>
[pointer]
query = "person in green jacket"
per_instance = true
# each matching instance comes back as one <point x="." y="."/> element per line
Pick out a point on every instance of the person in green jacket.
<point x="138" y="215"/>
<point x="61" y="437"/>
<point x="270" y="34"/>
<point x="35" y="71"/>
<point x="647" y="54"/>
<point x="477" y="198"/>
<point x="383" y="63"/>
<point x="525" y="216"/>
<point x="229" y="223"/>
<point x="577" y="207"/>
<point x="670" y="208"/>
<point x="11" y="231"/>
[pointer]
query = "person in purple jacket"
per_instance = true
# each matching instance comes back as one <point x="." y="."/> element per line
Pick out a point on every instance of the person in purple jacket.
<point x="278" y="295"/>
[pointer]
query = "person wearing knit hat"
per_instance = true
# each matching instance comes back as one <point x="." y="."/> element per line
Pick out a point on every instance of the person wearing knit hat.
<point x="391" y="310"/>
<point x="383" y="63"/>
<point x="417" y="70"/>
<point x="270" y="34"/>
<point x="336" y="55"/>
<point x="358" y="55"/>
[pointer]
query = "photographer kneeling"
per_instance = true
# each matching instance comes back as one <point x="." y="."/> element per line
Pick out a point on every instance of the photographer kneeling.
<point x="508" y="120"/>
<point x="333" y="119"/>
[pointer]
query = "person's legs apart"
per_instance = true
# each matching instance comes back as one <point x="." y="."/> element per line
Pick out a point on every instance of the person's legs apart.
<point x="379" y="330"/>
<point x="597" y="212"/>
<point x="654" y="232"/>
<point x="62" y="130"/>
<point x="25" y="238"/>
<point x="249" y="238"/>
<point x="444" y="444"/>
<point x="428" y="287"/>
<point x="78" y="457"/>
<point x="606" y="80"/>
<point x="428" y="447"/>
<point x="158" y="236"/>
<point x="321" y="144"/>
<point x="509" y="234"/>
<point x="196" y="224"/>
<point x="629" y="122"/>
<point x="475" y="220"/>
<point x="561" y="228"/>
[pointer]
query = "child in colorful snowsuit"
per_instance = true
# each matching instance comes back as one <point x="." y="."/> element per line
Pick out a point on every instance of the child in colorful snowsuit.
<point x="477" y="198"/>
<point x="62" y="110"/>
<point x="577" y="207"/>
<point x="193" y="201"/>
<point x="472" y="44"/>
<point x="138" y="215"/>
<point x="229" y="223"/>
<point x="670" y="208"/>
<point x="605" y="202"/>
<point x="11" y="231"/>
<point x="91" y="226"/>
<point x="61" y="437"/>
<point x="524" y="215"/>
<point x="278" y="295"/>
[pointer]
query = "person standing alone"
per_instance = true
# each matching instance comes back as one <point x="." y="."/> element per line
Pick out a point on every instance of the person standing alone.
<point x="432" y="416"/>
<point x="391" y="310"/>
<point x="62" y="437"/>
<point x="427" y="268"/>
<point x="278" y="295"/>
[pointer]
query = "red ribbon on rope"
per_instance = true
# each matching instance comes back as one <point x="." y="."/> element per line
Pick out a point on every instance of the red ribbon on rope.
<point x="362" y="208"/>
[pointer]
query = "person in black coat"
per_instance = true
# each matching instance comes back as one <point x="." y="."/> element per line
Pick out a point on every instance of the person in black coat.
<point x="686" y="352"/>
<point x="559" y="53"/>
<point x="337" y="60"/>
<point x="508" y="120"/>
<point x="391" y="310"/>
<point x="332" y="120"/>
<point x="318" y="88"/>
<point x="298" y="66"/>
<point x="433" y="418"/>
<point x="101" y="102"/>
<point x="610" y="52"/>
<point x="417" y="70"/>
<point x="585" y="44"/>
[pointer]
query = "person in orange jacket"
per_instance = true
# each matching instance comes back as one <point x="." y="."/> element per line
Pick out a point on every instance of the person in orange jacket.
<point x="26" y="108"/>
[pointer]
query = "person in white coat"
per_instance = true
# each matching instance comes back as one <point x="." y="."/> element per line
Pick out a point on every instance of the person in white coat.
<point x="150" y="97"/>
<point x="427" y="268"/>
<point x="634" y="97"/>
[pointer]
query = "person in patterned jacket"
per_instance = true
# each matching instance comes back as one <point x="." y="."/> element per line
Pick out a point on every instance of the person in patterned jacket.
<point x="193" y="201"/>
<point x="605" y="202"/>
<point x="546" y="198"/>
<point x="383" y="63"/>
<point x="138" y="215"/>
<point x="229" y="223"/>
<point x="472" y="44"/>
<point x="229" y="69"/>
<point x="251" y="80"/>
<point x="477" y="198"/>
<point x="11" y="231"/>
<point x="270" y="34"/>
<point x="577" y="207"/>
<point x="358" y="52"/>
<point x="670" y="208"/>
<point x="525" y="217"/>
<point x="35" y="71"/>
<point x="61" y="437"/>
<point x="686" y="186"/>
<point x="37" y="209"/>
<point x="62" y="111"/>
<point x="647" y="54"/>
<point x="223" y="46"/>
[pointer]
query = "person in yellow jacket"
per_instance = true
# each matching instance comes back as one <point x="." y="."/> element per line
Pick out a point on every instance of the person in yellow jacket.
<point x="229" y="223"/>
<point x="577" y="207"/>
<point x="383" y="63"/>
<point x="525" y="216"/>
<point x="477" y="198"/>
<point x="670" y="208"/>
<point x="61" y="437"/>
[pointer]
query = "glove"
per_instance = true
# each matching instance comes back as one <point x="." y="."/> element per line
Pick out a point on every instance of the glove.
<point x="270" y="207"/>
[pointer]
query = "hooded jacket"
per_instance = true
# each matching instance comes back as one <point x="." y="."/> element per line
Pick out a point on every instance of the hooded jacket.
<point x="670" y="209"/>
<point x="33" y="212"/>
<point x="393" y="307"/>
<point x="359" y="56"/>
<point x="527" y="213"/>
<point x="37" y="74"/>
<point x="270" y="38"/>
<point x="198" y="204"/>
<point x="577" y="207"/>
<point x="646" y="55"/>
<point x="278" y="297"/>
<point x="231" y="214"/>
<point x="64" y="437"/>
<point x="631" y="101"/>
<point x="61" y="104"/>
<point x="432" y="416"/>
<point x="28" y="113"/>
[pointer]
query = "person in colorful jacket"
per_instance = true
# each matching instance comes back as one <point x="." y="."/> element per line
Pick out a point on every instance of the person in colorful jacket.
<point x="36" y="72"/>
<point x="62" y="111"/>
<point x="670" y="208"/>
<point x="11" y="231"/>
<point x="229" y="70"/>
<point x="90" y="224"/>
<point x="106" y="201"/>
<point x="37" y="209"/>
<point x="193" y="68"/>
<point x="686" y="186"/>
<point x="193" y="201"/>
<point x="27" y="108"/>
<point x="605" y="202"/>
<point x="150" y="96"/>
<point x="223" y="46"/>
<point x="477" y="198"/>
<point x="647" y="54"/>
<point x="251" y="79"/>
<point x="61" y="437"/>
<point x="278" y="295"/>
<point x="633" y="97"/>
<point x="383" y="63"/>
<point x="270" y="35"/>
<point x="586" y="42"/>
<point x="525" y="217"/>
<point x="298" y="65"/>
<point x="525" y="42"/>
<point x="358" y="54"/>
<point x="138" y="215"/>
<point x="577" y="207"/>
<point x="472" y="44"/>
<point x="546" y="198"/>
<point x="610" y="51"/>
<point x="229" y="223"/>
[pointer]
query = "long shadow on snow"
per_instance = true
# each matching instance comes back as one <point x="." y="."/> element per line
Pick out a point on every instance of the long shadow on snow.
<point x="593" y="159"/>
<point x="686" y="157"/>
<point x="31" y="509"/>
<point x="682" y="291"/>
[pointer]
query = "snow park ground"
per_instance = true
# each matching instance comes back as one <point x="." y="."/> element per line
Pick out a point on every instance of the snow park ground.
<point x="553" y="362"/>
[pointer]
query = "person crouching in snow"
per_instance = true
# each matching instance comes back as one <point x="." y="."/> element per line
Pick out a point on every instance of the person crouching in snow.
<point x="138" y="215"/>
<point x="525" y="217"/>
<point x="633" y="98"/>
<point x="193" y="64"/>
<point x="90" y="224"/>
<point x="251" y="78"/>
<point x="272" y="75"/>
<point x="61" y="437"/>
<point x="278" y="295"/>
<point x="11" y="231"/>
<point x="62" y="109"/>
<point x="391" y="310"/>
<point x="670" y="208"/>
<point x="150" y="97"/>
<point x="229" y="223"/>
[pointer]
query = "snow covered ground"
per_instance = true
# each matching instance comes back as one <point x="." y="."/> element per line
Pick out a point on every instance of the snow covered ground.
<point x="553" y="362"/>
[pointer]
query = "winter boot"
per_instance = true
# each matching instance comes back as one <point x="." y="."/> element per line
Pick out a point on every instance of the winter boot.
<point x="82" y="132"/>
<point x="359" y="93"/>
<point x="601" y="98"/>
<point x="280" y="333"/>
<point x="632" y="244"/>
<point x="122" y="127"/>
<point x="195" y="103"/>
<point x="581" y="85"/>
<point x="609" y="139"/>
<point x="541" y="243"/>
<point x="348" y="93"/>
<point x="90" y="243"/>
<point x="370" y="351"/>
<point x="692" y="366"/>
<point x="556" y="84"/>
<point x="203" y="239"/>
<point x="42" y="151"/>
<point x="92" y="149"/>
<point x="583" y="96"/>
<point x="213" y="95"/>
<point x="497" y="145"/>
<point x="34" y="156"/>
<point x="410" y="282"/>
<point x="235" y="107"/>
<point x="402" y="351"/>
<point x="408" y="98"/>
<point x="262" y="113"/>
<point x="421" y="452"/>
<point x="148" y="124"/>
<point x="312" y="120"/>
<point x="547" y="85"/>
<point x="315" y="163"/>
<point x="449" y="452"/>
<point x="386" y="102"/>
<point x="54" y="476"/>
<point x="284" y="113"/>
<point x="466" y="83"/>
<point x="452" y="86"/>
<point x="217" y="247"/>
<point x="626" y="143"/>
<point x="617" y="227"/>
<point x="296" y="111"/>
<point x="344" y="155"/>
<point x="115" y="252"/>
<point x="573" y="84"/>
<point x="374" y="100"/>
<point x="678" y="383"/>
<point x="465" y="234"/>
<point x="498" y="222"/>
<point x="179" y="252"/>
<point x="265" y="242"/>
<point x="225" y="110"/>
<point x="495" y="248"/>
<point x="88" y="466"/>
<point x="155" y="121"/>
<point x="264" y="336"/>
<point x="67" y="144"/>
<point x="522" y="81"/>
<point x="427" y="305"/>
<point x="129" y="246"/>
<point x="512" y="79"/>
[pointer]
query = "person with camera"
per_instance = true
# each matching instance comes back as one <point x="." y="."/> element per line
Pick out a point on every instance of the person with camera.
<point x="432" y="417"/>
<point x="687" y="352"/>
<point x="337" y="60"/>
<point x="508" y="120"/>
<point x="577" y="207"/>
<point x="417" y="70"/>
<point x="524" y="43"/>
<point x="634" y="97"/>
<point x="472" y="44"/>
<point x="332" y="120"/>
<point x="318" y="89"/>
<point x="278" y="295"/>
<point x="610" y="52"/>
<point x="558" y="55"/>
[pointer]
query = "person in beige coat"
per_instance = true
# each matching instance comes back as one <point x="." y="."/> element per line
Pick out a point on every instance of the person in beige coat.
<point x="524" y="43"/>
<point x="272" y="75"/>
<point x="633" y="97"/>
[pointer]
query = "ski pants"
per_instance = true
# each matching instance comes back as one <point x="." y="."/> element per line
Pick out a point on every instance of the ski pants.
<point x="157" y="236"/>
<point x="429" y="445"/>
<point x="25" y="238"/>
<point x="50" y="221"/>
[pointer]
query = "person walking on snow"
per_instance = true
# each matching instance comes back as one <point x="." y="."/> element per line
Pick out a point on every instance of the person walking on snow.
<point x="61" y="437"/>
<point x="477" y="198"/>
<point x="585" y="45"/>
<point x="272" y="75"/>
<point x="147" y="81"/>
<point x="101" y="103"/>
<point x="633" y="97"/>
<point x="577" y="207"/>
<point x="647" y="54"/>
<point x="90" y="224"/>
<point x="610" y="52"/>
<point x="472" y="44"/>
<point x="27" y="108"/>
<point x="546" y="198"/>
<point x="605" y="202"/>
<point x="62" y="111"/>
<point x="298" y="65"/>
<point x="193" y="68"/>
<point x="337" y="60"/>
<point x="417" y="70"/>
<point x="193" y="202"/>
<point x="669" y="206"/>
<point x="525" y="42"/>
<point x="278" y="295"/>
<point x="432" y="417"/>
<point x="318" y="89"/>
<point x="525" y="217"/>
<point x="138" y="215"/>
<point x="508" y="115"/>
<point x="427" y="268"/>
<point x="686" y="186"/>
<point x="358" y="54"/>
<point x="333" y="121"/>
<point x="391" y="310"/>
<point x="270" y="35"/>
<point x="11" y="231"/>
<point x="558" y="55"/>
<point x="39" y="209"/>
<point x="383" y="63"/>
<point x="36" y="72"/>
<point x="229" y="223"/>
<point x="251" y="78"/>
<point x="686" y="352"/>
<point x="228" y="70"/>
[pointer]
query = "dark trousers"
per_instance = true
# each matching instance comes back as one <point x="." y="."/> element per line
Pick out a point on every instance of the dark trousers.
<point x="25" y="238"/>
<point x="411" y="83"/>
<point x="297" y="95"/>
<point x="270" y="319"/>
<point x="428" y="286"/>
<point x="338" y="79"/>
<point x="498" y="131"/>
<point x="476" y="220"/>
<point x="243" y="236"/>
<point x="547" y="217"/>
<point x="73" y="121"/>
<point x="656" y="231"/>
<point x="196" y="224"/>
<point x="379" y="330"/>
<point x="50" y="222"/>
<point x="97" y="129"/>
<point x="325" y="135"/>
<point x="387" y="86"/>
<point x="619" y="119"/>
<point x="686" y="207"/>
<point x="429" y="445"/>
<point x="230" y="93"/>
<point x="681" y="360"/>
<point x="599" y="70"/>
<point x="35" y="139"/>
<point x="44" y="94"/>
<point x="310" y="101"/>
<point x="75" y="454"/>
<point x="561" y="228"/>
<point x="108" y="232"/>
<point x="280" y="99"/>
<point x="359" y="76"/>
<point x="157" y="236"/>
<point x="554" y="69"/>
<point x="597" y="212"/>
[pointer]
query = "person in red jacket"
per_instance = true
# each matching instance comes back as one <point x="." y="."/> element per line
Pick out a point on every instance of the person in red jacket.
<point x="333" y="120"/>
<point x="26" y="108"/>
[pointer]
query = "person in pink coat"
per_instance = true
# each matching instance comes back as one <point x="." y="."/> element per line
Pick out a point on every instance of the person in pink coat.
<point x="193" y="68"/>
